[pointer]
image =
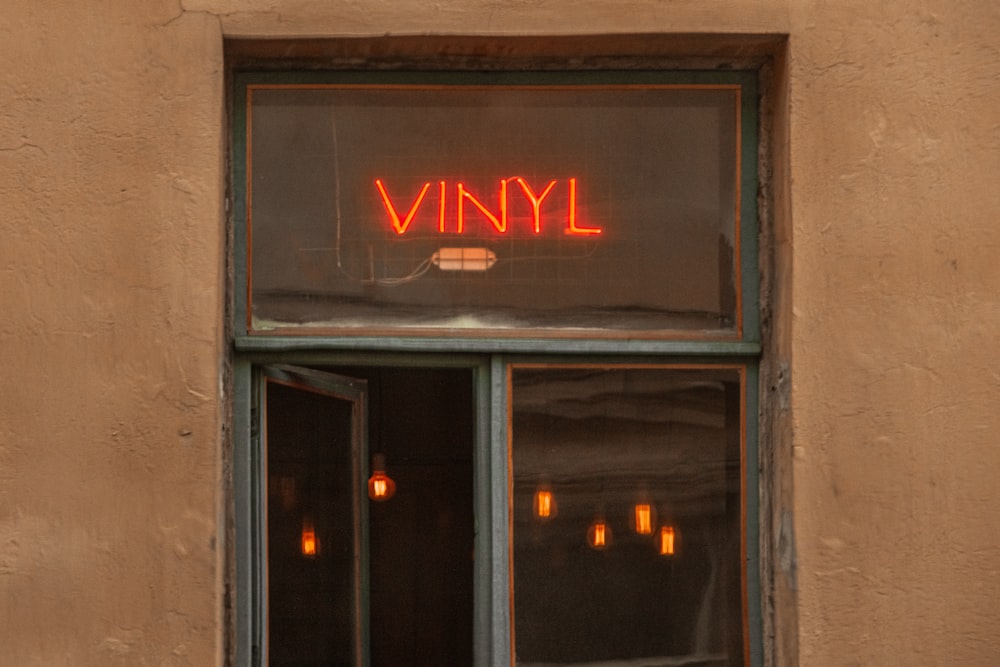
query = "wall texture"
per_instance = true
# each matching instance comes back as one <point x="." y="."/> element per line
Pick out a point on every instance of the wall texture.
<point x="887" y="309"/>
<point x="111" y="184"/>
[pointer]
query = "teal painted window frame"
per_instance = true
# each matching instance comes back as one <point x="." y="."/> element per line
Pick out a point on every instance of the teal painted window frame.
<point x="489" y="360"/>
<point x="745" y="340"/>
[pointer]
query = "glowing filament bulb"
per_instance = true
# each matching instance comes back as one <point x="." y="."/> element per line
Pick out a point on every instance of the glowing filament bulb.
<point x="545" y="504"/>
<point x="643" y="519"/>
<point x="310" y="543"/>
<point x="380" y="486"/>
<point x="599" y="534"/>
<point x="666" y="541"/>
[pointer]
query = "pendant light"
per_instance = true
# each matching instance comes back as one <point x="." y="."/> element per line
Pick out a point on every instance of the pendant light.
<point x="380" y="486"/>
<point x="599" y="534"/>
<point x="544" y="504"/>
<point x="309" y="541"/>
<point x="666" y="541"/>
<point x="643" y="518"/>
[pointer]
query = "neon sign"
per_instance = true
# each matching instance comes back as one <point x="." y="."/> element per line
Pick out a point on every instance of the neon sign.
<point x="401" y="222"/>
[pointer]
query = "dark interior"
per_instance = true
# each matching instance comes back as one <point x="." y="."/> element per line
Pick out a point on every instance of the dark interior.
<point x="420" y="542"/>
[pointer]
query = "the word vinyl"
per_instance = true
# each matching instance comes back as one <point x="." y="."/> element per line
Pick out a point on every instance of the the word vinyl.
<point x="401" y="222"/>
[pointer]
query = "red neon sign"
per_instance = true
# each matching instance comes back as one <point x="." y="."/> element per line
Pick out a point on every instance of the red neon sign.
<point x="401" y="222"/>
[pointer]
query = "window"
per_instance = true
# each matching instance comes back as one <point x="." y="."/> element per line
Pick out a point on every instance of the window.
<point x="626" y="513"/>
<point x="495" y="389"/>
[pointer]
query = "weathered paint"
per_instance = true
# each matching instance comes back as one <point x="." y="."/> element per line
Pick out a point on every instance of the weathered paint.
<point x="883" y="332"/>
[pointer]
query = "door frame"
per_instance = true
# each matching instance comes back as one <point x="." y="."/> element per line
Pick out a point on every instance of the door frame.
<point x="492" y="622"/>
<point x="248" y="467"/>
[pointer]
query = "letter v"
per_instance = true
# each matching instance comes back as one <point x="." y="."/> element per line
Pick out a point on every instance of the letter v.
<point x="400" y="227"/>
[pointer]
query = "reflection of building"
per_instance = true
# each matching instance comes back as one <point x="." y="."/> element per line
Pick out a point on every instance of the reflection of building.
<point x="119" y="538"/>
<point x="675" y="468"/>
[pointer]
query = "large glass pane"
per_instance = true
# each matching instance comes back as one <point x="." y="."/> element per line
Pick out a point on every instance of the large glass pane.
<point x="601" y="209"/>
<point x="626" y="516"/>
<point x="312" y="538"/>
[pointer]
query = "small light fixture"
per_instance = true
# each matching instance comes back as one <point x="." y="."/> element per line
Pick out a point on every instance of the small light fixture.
<point x="310" y="543"/>
<point x="380" y="486"/>
<point x="599" y="534"/>
<point x="544" y="503"/>
<point x="666" y="541"/>
<point x="643" y="518"/>
<point x="464" y="259"/>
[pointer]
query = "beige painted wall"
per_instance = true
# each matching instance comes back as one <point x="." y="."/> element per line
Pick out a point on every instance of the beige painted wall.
<point x="112" y="140"/>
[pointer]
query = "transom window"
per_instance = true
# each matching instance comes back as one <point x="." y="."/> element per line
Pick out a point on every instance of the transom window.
<point x="495" y="386"/>
<point x="493" y="205"/>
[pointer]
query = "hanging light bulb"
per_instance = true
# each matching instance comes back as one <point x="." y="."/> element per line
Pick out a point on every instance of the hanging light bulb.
<point x="544" y="503"/>
<point x="380" y="486"/>
<point x="666" y="541"/>
<point x="643" y="518"/>
<point x="599" y="534"/>
<point x="310" y="543"/>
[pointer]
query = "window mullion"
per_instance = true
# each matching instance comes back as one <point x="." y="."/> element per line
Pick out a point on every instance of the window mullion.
<point x="499" y="515"/>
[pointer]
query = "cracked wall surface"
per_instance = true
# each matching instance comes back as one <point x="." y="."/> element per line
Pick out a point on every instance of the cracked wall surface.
<point x="886" y="322"/>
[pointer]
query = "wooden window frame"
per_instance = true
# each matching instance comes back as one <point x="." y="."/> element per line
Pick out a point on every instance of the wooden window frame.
<point x="490" y="359"/>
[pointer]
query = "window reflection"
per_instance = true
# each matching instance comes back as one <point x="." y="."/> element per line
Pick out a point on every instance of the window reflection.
<point x="639" y="461"/>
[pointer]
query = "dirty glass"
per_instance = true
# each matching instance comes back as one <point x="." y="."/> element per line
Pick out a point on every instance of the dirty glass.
<point x="605" y="209"/>
<point x="626" y="516"/>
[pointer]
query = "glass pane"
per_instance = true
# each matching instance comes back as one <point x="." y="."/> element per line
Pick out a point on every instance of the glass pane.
<point x="627" y="516"/>
<point x="573" y="208"/>
<point x="310" y="529"/>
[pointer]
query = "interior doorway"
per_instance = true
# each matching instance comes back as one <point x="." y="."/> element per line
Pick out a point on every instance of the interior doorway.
<point x="352" y="580"/>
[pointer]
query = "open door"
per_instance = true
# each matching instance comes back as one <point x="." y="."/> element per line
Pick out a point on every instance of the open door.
<point x="314" y="448"/>
<point x="349" y="578"/>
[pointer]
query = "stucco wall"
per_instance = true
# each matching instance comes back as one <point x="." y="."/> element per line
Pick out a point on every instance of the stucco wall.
<point x="885" y="220"/>
<point x="111" y="179"/>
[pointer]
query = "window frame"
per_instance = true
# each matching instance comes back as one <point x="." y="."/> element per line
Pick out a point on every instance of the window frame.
<point x="744" y="338"/>
<point x="490" y="358"/>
